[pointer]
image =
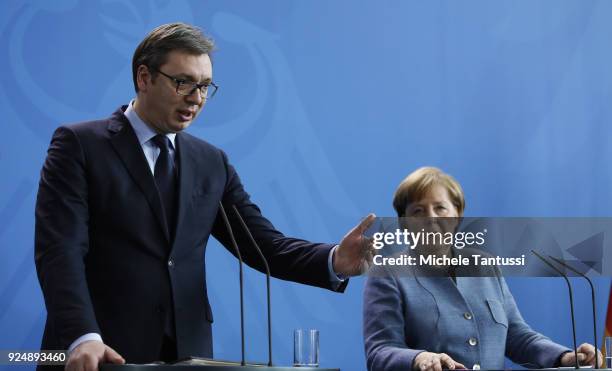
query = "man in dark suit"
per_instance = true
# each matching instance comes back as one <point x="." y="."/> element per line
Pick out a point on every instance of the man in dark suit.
<point x="125" y="208"/>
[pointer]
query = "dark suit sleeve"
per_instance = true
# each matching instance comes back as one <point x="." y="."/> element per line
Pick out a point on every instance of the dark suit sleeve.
<point x="289" y="258"/>
<point x="524" y="345"/>
<point x="62" y="240"/>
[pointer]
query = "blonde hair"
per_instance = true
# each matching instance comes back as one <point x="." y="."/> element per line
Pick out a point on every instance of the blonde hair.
<point x="419" y="182"/>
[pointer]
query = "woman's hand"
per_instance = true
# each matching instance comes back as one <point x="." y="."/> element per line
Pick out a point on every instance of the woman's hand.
<point x="586" y="356"/>
<point x="427" y="361"/>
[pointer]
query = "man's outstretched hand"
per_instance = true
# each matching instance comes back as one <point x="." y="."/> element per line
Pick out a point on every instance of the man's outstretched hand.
<point x="354" y="254"/>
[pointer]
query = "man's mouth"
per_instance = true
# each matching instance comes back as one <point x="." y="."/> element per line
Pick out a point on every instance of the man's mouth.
<point x="186" y="115"/>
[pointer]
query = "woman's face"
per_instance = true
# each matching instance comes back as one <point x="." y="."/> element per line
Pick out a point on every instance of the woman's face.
<point x="434" y="212"/>
<point x="436" y="203"/>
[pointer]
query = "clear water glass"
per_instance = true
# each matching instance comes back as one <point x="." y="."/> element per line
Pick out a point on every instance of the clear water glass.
<point x="306" y="348"/>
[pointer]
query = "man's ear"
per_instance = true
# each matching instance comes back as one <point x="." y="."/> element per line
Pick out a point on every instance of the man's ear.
<point x="143" y="78"/>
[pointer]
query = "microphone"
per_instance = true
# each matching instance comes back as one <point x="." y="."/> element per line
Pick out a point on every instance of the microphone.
<point x="561" y="262"/>
<point x="265" y="262"/>
<point x="235" y="246"/>
<point x="571" y="298"/>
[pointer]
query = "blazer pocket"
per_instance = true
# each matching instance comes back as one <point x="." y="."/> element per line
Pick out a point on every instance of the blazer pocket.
<point x="497" y="312"/>
<point x="203" y="205"/>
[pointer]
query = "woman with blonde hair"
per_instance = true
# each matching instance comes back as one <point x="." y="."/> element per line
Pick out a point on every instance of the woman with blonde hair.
<point x="419" y="322"/>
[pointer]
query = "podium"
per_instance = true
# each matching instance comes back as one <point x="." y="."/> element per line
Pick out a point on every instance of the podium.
<point x="165" y="367"/>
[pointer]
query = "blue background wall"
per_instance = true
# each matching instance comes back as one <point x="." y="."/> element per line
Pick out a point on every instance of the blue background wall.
<point x="324" y="107"/>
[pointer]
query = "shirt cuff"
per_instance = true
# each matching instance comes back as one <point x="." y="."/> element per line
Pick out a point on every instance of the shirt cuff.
<point x="335" y="279"/>
<point x="87" y="337"/>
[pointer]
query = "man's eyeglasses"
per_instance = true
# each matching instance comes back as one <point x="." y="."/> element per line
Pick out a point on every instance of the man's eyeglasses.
<point x="186" y="87"/>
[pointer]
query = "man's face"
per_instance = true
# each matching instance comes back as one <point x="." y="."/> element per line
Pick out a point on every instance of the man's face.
<point x="159" y="104"/>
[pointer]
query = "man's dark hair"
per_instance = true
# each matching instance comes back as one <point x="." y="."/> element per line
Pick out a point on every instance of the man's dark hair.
<point x="154" y="49"/>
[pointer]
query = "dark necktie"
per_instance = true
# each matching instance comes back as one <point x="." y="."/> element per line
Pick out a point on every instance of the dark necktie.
<point x="166" y="180"/>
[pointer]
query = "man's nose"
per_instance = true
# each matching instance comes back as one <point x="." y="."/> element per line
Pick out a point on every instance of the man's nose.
<point x="195" y="97"/>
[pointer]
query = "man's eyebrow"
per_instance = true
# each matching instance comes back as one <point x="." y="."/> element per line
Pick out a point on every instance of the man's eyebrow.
<point x="190" y="78"/>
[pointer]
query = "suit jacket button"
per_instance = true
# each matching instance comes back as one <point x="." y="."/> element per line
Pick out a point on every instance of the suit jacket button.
<point x="171" y="263"/>
<point x="472" y="341"/>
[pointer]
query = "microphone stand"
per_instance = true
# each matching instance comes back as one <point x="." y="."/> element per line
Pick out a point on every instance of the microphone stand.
<point x="559" y="261"/>
<point x="571" y="298"/>
<point x="267" y="268"/>
<point x="235" y="246"/>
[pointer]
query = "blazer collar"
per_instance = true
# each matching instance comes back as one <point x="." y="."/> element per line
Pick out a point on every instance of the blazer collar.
<point x="187" y="170"/>
<point x="143" y="131"/>
<point x="126" y="144"/>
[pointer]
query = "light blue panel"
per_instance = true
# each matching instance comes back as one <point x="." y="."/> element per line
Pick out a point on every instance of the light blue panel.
<point x="324" y="107"/>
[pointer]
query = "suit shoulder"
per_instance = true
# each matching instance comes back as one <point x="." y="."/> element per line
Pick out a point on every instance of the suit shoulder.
<point x="200" y="143"/>
<point x="204" y="147"/>
<point x="87" y="128"/>
<point x="83" y="133"/>
<point x="115" y="122"/>
<point x="92" y="131"/>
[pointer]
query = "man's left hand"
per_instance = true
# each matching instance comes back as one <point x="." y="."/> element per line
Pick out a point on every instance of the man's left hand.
<point x="354" y="254"/>
<point x="586" y="356"/>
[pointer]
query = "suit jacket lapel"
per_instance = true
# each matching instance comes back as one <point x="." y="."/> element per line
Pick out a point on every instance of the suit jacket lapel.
<point x="186" y="168"/>
<point x="127" y="146"/>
